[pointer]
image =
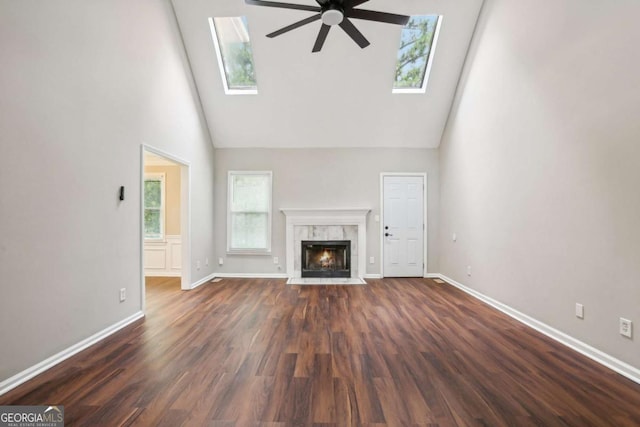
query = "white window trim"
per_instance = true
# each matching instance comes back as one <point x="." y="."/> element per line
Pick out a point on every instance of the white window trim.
<point x="427" y="71"/>
<point x="267" y="250"/>
<point x="157" y="176"/>
<point x="223" y="73"/>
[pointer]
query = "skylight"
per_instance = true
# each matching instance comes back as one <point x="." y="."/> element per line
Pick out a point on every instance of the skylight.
<point x="415" y="54"/>
<point x="235" y="58"/>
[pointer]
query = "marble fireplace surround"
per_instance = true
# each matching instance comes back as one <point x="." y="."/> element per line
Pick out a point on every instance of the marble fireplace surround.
<point x="323" y="223"/>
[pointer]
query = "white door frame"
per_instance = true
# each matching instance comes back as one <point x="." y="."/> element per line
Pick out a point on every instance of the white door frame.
<point x="185" y="218"/>
<point x="424" y="235"/>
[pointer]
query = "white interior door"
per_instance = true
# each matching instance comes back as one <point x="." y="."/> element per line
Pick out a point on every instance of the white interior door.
<point x="403" y="227"/>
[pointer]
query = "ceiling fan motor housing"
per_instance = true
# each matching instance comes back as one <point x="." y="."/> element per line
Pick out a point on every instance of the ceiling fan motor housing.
<point x="332" y="16"/>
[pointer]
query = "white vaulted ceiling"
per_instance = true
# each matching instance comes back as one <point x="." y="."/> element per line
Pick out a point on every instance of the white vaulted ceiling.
<point x="340" y="97"/>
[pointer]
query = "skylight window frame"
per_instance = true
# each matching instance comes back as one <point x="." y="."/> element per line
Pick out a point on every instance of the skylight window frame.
<point x="223" y="72"/>
<point x="427" y="72"/>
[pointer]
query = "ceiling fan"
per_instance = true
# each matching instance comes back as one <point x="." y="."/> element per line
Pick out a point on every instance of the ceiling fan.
<point x="334" y="12"/>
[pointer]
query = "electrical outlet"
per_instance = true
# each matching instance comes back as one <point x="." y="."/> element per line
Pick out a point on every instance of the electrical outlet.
<point x="220" y="261"/>
<point x="198" y="265"/>
<point x="454" y="237"/>
<point x="275" y="260"/>
<point x="469" y="270"/>
<point x="206" y="261"/>
<point x="579" y="311"/>
<point x="123" y="294"/>
<point x="626" y="327"/>
<point x="372" y="260"/>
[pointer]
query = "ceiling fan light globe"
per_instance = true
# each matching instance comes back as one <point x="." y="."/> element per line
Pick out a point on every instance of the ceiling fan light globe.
<point x="332" y="17"/>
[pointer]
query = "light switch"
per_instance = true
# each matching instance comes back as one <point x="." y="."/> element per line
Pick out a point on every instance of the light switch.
<point x="579" y="311"/>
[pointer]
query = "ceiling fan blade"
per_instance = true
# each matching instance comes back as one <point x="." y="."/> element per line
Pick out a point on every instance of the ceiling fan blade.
<point x="322" y="2"/>
<point x="283" y="5"/>
<point x="372" y="15"/>
<point x="353" y="32"/>
<point x="295" y="25"/>
<point x="354" y="3"/>
<point x="322" y="36"/>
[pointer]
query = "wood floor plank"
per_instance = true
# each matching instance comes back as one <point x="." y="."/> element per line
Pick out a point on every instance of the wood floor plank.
<point x="257" y="352"/>
<point x="323" y="408"/>
<point x="347" y="412"/>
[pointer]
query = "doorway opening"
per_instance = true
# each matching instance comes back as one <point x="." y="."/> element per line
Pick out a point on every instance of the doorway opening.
<point x="165" y="231"/>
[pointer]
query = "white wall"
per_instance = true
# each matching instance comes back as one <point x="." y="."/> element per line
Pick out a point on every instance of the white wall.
<point x="84" y="84"/>
<point x="322" y="178"/>
<point x="540" y="166"/>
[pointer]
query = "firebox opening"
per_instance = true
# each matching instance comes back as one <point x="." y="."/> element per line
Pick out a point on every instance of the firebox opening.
<point x="326" y="258"/>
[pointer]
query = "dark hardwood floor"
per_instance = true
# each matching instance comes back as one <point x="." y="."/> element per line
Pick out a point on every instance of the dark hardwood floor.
<point x="398" y="352"/>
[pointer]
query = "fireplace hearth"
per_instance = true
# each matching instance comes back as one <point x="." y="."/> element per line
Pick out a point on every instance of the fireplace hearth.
<point x="326" y="258"/>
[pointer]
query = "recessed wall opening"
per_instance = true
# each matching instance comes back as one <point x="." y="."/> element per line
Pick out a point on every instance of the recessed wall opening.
<point x="326" y="258"/>
<point x="165" y="237"/>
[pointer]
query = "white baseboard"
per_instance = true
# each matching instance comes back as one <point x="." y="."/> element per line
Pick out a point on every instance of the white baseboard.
<point x="253" y="275"/>
<point x="373" y="276"/>
<point x="27" y="374"/>
<point x="203" y="281"/>
<point x="432" y="276"/>
<point x="599" y="356"/>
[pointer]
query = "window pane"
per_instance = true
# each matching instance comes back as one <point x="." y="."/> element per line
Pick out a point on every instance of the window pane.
<point x="250" y="193"/>
<point x="152" y="194"/>
<point x="416" y="42"/>
<point x="237" y="58"/>
<point x="152" y="224"/>
<point x="249" y="230"/>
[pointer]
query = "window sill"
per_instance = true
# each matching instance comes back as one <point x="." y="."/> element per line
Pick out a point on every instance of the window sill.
<point x="409" y="90"/>
<point x="241" y="91"/>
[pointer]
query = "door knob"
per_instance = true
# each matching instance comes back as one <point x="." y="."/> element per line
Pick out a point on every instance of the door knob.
<point x="388" y="234"/>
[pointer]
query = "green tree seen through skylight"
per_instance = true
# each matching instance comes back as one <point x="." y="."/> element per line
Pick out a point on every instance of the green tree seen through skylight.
<point x="413" y="54"/>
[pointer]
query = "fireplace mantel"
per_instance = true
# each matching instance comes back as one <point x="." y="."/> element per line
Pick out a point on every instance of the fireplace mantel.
<point x="328" y="213"/>
<point x="326" y="216"/>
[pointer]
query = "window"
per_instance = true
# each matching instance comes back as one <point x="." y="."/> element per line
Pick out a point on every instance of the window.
<point x="235" y="57"/>
<point x="415" y="54"/>
<point x="154" y="206"/>
<point x="249" y="213"/>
